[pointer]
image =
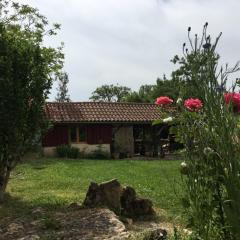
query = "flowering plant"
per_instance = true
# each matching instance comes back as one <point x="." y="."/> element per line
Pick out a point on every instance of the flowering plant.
<point x="234" y="98"/>
<point x="211" y="167"/>
<point x="163" y="101"/>
<point x="193" y="104"/>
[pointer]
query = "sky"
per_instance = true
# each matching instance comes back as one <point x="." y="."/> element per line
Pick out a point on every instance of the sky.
<point x="131" y="42"/>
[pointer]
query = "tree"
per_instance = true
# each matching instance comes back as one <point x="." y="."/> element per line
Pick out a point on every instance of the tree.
<point x="27" y="69"/>
<point x="149" y="93"/>
<point x="166" y="87"/>
<point x="110" y="93"/>
<point x="62" y="95"/>
<point x="144" y="94"/>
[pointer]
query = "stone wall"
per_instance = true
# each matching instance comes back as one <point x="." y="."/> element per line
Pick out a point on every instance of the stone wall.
<point x="49" y="151"/>
<point x="89" y="148"/>
<point x="83" y="147"/>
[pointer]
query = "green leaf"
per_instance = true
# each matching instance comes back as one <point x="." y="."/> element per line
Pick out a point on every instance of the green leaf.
<point x="157" y="122"/>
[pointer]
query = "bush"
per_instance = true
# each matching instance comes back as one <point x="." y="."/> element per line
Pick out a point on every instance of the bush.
<point x="66" y="151"/>
<point x="99" y="153"/>
<point x="73" y="152"/>
<point x="63" y="151"/>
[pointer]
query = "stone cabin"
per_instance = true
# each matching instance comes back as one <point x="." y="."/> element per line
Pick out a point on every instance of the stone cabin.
<point x="121" y="129"/>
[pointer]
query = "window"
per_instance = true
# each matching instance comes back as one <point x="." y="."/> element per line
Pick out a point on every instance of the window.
<point x="73" y="134"/>
<point x="82" y="134"/>
<point x="78" y="134"/>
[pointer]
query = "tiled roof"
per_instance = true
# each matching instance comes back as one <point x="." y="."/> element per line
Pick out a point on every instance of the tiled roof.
<point x="77" y="112"/>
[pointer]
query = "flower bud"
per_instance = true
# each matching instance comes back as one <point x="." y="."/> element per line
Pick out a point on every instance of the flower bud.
<point x="184" y="169"/>
<point x="179" y="101"/>
<point x="225" y="171"/>
<point x="208" y="151"/>
<point x="169" y="119"/>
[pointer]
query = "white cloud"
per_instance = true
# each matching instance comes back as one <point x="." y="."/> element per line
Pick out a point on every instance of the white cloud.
<point x="131" y="42"/>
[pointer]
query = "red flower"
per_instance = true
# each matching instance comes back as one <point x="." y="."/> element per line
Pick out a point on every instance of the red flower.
<point x="234" y="98"/>
<point x="164" y="100"/>
<point x="193" y="104"/>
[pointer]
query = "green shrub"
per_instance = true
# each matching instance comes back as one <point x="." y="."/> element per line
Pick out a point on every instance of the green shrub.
<point x="81" y="154"/>
<point x="63" y="151"/>
<point x="99" y="153"/>
<point x="73" y="152"/>
<point x="66" y="151"/>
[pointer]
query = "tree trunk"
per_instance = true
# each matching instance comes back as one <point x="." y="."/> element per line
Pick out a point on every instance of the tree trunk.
<point x="1" y="195"/>
<point x="4" y="177"/>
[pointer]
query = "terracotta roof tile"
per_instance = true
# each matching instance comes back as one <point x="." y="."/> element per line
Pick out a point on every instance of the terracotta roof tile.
<point x="76" y="112"/>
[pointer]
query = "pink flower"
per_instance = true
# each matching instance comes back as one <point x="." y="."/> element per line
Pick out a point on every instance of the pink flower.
<point x="164" y="100"/>
<point x="193" y="104"/>
<point x="234" y="98"/>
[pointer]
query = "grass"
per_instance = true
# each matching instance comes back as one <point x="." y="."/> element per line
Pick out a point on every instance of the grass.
<point x="54" y="183"/>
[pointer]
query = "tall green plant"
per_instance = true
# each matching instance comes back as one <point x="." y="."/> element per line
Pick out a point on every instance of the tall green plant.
<point x="211" y="137"/>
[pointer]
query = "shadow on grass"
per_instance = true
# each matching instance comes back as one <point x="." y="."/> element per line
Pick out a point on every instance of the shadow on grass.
<point x="14" y="207"/>
<point x="41" y="163"/>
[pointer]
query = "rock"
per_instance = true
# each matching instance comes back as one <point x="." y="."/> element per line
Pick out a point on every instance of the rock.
<point x="121" y="200"/>
<point x="93" y="196"/>
<point x="158" y="234"/>
<point x="141" y="207"/>
<point x="93" y="223"/>
<point x="128" y="195"/>
<point x="127" y="221"/>
<point x="30" y="237"/>
<point x="134" y="206"/>
<point x="36" y="223"/>
<point x="39" y="211"/>
<point x="105" y="194"/>
<point x="15" y="227"/>
<point x="75" y="205"/>
<point x="112" y="192"/>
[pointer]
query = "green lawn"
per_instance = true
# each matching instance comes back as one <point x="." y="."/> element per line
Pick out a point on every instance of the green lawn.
<point x="54" y="183"/>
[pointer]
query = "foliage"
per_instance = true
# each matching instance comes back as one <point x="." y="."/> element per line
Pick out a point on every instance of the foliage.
<point x="149" y="93"/>
<point x="99" y="153"/>
<point x="67" y="151"/>
<point x="166" y="87"/>
<point x="73" y="152"/>
<point x="144" y="95"/>
<point x="62" y="95"/>
<point x="110" y="93"/>
<point x="27" y="70"/>
<point x="210" y="134"/>
<point x="62" y="151"/>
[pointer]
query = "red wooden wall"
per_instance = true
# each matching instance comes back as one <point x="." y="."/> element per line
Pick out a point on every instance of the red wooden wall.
<point x="99" y="134"/>
<point x="57" y="135"/>
<point x="96" y="134"/>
